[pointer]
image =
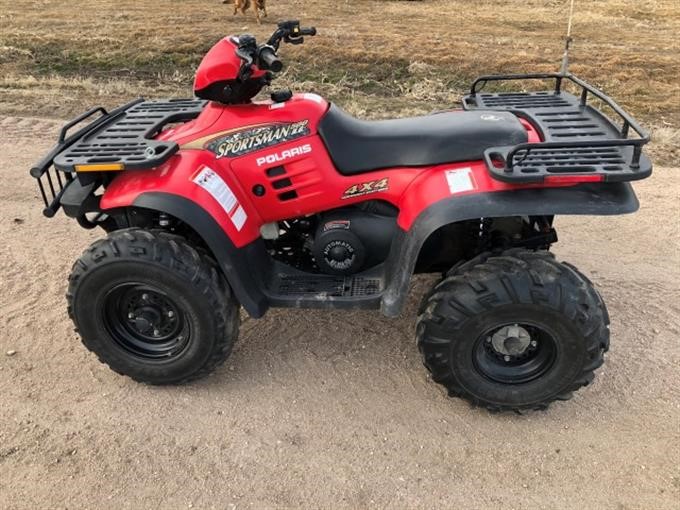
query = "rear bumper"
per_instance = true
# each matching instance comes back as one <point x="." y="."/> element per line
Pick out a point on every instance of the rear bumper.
<point x="79" y="199"/>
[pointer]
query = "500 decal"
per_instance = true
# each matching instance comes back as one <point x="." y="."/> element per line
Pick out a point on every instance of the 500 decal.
<point x="249" y="140"/>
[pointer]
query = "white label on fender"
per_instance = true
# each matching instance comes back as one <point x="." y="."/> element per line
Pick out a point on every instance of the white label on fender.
<point x="210" y="181"/>
<point x="239" y="218"/>
<point x="460" y="180"/>
<point x="313" y="97"/>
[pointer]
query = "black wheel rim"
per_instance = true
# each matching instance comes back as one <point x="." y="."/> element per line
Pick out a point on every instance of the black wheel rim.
<point x="520" y="364"/>
<point x="145" y="322"/>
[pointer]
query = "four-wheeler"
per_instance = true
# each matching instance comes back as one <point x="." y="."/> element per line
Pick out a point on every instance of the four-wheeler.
<point x="221" y="202"/>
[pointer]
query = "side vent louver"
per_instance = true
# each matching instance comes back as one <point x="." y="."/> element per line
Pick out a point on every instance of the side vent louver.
<point x="276" y="171"/>
<point x="278" y="180"/>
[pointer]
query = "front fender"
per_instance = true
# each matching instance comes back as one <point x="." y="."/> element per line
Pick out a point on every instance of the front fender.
<point x="583" y="199"/>
<point x="170" y="188"/>
<point x="177" y="177"/>
<point x="237" y="264"/>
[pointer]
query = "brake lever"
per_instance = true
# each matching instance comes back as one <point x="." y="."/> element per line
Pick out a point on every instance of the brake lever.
<point x="246" y="51"/>
<point x="246" y="64"/>
<point x="290" y="33"/>
<point x="245" y="56"/>
<point x="294" y="40"/>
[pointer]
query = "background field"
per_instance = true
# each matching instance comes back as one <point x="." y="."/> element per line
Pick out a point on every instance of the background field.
<point x="334" y="409"/>
<point x="376" y="58"/>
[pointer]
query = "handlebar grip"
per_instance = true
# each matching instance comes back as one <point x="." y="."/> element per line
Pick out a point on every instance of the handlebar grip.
<point x="269" y="61"/>
<point x="308" y="31"/>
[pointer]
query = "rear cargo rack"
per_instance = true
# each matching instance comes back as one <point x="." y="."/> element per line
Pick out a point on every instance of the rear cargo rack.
<point x="580" y="143"/>
<point x="121" y="137"/>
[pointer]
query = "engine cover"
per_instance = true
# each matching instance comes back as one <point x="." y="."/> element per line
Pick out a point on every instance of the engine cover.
<point x="348" y="241"/>
<point x="338" y="250"/>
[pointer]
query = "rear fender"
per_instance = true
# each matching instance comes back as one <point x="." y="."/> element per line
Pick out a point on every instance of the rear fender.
<point x="583" y="199"/>
<point x="451" y="182"/>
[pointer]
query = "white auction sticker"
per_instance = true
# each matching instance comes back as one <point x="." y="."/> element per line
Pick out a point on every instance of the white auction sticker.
<point x="210" y="181"/>
<point x="313" y="97"/>
<point x="460" y="180"/>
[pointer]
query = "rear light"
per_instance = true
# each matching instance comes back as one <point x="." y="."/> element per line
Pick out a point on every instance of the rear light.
<point x="572" y="179"/>
<point x="100" y="167"/>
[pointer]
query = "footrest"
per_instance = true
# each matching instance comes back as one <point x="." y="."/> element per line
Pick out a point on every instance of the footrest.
<point x="321" y="291"/>
<point x="327" y="286"/>
<point x="125" y="139"/>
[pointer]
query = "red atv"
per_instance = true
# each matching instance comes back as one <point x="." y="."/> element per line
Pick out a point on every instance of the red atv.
<point x="220" y="202"/>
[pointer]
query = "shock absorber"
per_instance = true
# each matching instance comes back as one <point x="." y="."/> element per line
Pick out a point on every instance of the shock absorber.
<point x="483" y="234"/>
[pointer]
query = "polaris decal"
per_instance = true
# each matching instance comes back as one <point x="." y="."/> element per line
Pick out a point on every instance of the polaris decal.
<point x="249" y="140"/>
<point x="284" y="155"/>
<point x="365" y="188"/>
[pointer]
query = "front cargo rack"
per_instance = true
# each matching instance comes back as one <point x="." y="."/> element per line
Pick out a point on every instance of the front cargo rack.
<point x="579" y="141"/>
<point x="121" y="138"/>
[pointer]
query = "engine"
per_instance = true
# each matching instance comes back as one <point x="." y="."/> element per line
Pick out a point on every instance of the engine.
<point x="339" y="242"/>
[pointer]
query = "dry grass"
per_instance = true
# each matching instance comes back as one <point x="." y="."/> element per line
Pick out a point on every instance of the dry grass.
<point x="377" y="58"/>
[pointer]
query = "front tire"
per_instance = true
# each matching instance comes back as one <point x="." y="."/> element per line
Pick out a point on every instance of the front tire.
<point x="151" y="307"/>
<point x="514" y="331"/>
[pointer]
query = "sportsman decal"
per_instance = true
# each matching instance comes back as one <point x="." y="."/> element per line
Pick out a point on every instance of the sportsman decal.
<point x="365" y="188"/>
<point x="260" y="137"/>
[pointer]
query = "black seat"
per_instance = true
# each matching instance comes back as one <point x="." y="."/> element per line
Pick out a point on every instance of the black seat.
<point x="358" y="146"/>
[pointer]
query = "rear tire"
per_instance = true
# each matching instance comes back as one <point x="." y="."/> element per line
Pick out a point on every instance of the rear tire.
<point x="513" y="331"/>
<point x="152" y="308"/>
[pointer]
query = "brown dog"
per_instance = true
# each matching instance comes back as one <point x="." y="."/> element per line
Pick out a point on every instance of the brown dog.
<point x="244" y="5"/>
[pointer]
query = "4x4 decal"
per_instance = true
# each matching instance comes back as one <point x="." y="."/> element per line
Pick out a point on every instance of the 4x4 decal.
<point x="252" y="139"/>
<point x="365" y="188"/>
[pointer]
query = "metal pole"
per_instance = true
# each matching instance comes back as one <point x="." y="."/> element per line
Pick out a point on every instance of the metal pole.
<point x="565" y="58"/>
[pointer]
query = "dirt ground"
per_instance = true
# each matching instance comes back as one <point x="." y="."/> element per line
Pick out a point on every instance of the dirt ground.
<point x="330" y="409"/>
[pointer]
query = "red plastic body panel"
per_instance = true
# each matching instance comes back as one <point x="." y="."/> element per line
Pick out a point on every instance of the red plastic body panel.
<point x="176" y="177"/>
<point x="177" y="174"/>
<point x="220" y="64"/>
<point x="315" y="181"/>
<point x="432" y="185"/>
<point x="274" y="166"/>
<point x="306" y="181"/>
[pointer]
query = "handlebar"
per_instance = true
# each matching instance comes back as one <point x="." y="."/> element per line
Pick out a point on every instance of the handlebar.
<point x="264" y="55"/>
<point x="289" y="32"/>
<point x="268" y="61"/>
<point x="308" y="31"/>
